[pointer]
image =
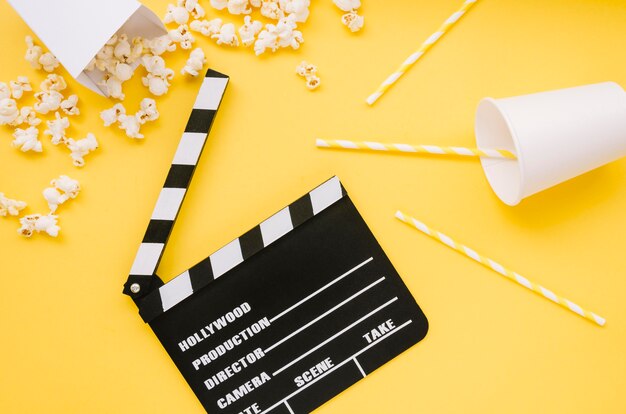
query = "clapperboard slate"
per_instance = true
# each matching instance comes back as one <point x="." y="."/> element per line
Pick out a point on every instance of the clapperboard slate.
<point x="284" y="317"/>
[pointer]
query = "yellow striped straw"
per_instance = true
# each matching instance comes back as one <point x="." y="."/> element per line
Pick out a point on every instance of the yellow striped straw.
<point x="520" y="280"/>
<point x="410" y="61"/>
<point x="415" y="149"/>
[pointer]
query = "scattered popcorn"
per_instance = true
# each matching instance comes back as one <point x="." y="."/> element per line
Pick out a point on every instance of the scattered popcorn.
<point x="148" y="111"/>
<point x="347" y="5"/>
<point x="308" y="71"/>
<point x="81" y="147"/>
<point x="63" y="189"/>
<point x="283" y="34"/>
<point x="195" y="63"/>
<point x="219" y="4"/>
<point x="70" y="105"/>
<point x="53" y="82"/>
<point x="111" y="116"/>
<point x="299" y="8"/>
<point x="27" y="139"/>
<point x="182" y="36"/>
<point x="131" y="125"/>
<point x="176" y="14"/>
<point x="123" y="71"/>
<point x="5" y="91"/>
<point x="10" y="207"/>
<point x="38" y="223"/>
<point x="206" y="27"/>
<point x="239" y="7"/>
<point x="27" y="116"/>
<point x="161" y="44"/>
<point x="271" y="9"/>
<point x="193" y="7"/>
<point x="18" y="87"/>
<point x="47" y="101"/>
<point x="33" y="53"/>
<point x="113" y="86"/>
<point x="48" y="62"/>
<point x="227" y="35"/>
<point x="313" y="82"/>
<point x="56" y="129"/>
<point x="158" y="76"/>
<point x="249" y="30"/>
<point x="8" y="111"/>
<point x="353" y="21"/>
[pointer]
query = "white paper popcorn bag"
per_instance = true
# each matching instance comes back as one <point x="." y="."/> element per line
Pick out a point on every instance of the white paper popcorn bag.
<point x="75" y="30"/>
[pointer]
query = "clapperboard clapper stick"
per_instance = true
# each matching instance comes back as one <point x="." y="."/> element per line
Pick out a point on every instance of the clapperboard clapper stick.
<point x="284" y="317"/>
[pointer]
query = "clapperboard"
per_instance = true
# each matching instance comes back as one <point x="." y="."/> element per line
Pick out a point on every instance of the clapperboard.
<point x="288" y="315"/>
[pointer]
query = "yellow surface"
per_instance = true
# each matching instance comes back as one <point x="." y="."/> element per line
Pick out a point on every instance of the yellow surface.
<point x="72" y="343"/>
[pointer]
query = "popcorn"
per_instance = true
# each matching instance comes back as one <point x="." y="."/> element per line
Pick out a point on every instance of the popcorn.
<point x="53" y="82"/>
<point x="249" y="30"/>
<point x="27" y="116"/>
<point x="69" y="106"/>
<point x="111" y="116"/>
<point x="63" y="189"/>
<point x="206" y="27"/>
<point x="353" y="21"/>
<point x="56" y="129"/>
<point x="219" y="4"/>
<point x="308" y="71"/>
<point x="113" y="86"/>
<point x="176" y="14"/>
<point x="122" y="49"/>
<point x="27" y="139"/>
<point x="347" y="5"/>
<point x="299" y="8"/>
<point x="193" y="7"/>
<point x="158" y="76"/>
<point x="5" y="91"/>
<point x="227" y="35"/>
<point x="10" y="207"/>
<point x="48" y="62"/>
<point x="123" y="71"/>
<point x="33" y="53"/>
<point x="271" y="9"/>
<point x="18" y="87"/>
<point x="39" y="223"/>
<point x="195" y="63"/>
<point x="313" y="82"/>
<point x="239" y="7"/>
<point x="161" y="44"/>
<point x="131" y="125"/>
<point x="148" y="111"/>
<point x="47" y="101"/>
<point x="81" y="147"/>
<point x="8" y="111"/>
<point x="182" y="36"/>
<point x="280" y="35"/>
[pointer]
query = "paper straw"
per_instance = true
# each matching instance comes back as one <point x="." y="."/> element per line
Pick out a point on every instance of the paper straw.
<point x="410" y="61"/>
<point x="520" y="280"/>
<point x="415" y="149"/>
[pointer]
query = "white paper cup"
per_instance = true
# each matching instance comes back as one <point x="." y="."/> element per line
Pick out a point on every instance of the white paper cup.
<point x="75" y="30"/>
<point x="556" y="135"/>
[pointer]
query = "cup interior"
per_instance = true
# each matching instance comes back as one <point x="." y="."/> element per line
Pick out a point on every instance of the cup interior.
<point x="494" y="131"/>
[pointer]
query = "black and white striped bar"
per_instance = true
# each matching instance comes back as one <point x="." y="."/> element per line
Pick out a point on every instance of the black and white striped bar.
<point x="142" y="277"/>
<point x="240" y="249"/>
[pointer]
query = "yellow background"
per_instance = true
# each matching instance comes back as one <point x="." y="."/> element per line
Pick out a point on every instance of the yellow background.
<point x="70" y="342"/>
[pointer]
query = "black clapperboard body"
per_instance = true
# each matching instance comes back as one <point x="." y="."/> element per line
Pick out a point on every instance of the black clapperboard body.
<point x="286" y="316"/>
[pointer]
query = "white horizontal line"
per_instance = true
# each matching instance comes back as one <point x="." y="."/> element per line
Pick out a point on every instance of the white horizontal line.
<point x="334" y="308"/>
<point x="334" y="336"/>
<point x="388" y="334"/>
<point x="320" y="290"/>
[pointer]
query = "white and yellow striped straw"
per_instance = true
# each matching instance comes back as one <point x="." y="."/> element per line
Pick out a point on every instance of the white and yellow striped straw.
<point x="509" y="274"/>
<point x="410" y="61"/>
<point x="415" y="149"/>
